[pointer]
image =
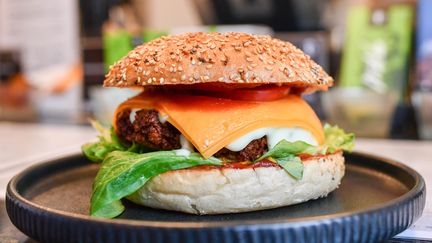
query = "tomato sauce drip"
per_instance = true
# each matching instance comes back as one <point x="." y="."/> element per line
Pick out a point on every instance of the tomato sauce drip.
<point x="262" y="163"/>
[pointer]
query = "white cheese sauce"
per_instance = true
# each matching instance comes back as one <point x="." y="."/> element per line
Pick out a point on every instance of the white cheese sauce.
<point x="274" y="136"/>
<point x="162" y="118"/>
<point x="132" y="115"/>
<point x="186" y="147"/>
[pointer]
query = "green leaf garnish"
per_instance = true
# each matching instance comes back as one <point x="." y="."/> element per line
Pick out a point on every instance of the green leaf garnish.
<point x="286" y="153"/>
<point x="123" y="173"/>
<point x="293" y="165"/>
<point x="108" y="142"/>
<point x="336" y="139"/>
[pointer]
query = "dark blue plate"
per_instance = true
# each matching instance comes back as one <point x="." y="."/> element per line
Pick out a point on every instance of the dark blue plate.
<point x="378" y="198"/>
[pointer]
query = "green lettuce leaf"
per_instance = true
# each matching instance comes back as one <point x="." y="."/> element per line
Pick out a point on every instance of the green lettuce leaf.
<point x="108" y="141"/>
<point x="284" y="149"/>
<point x="123" y="173"/>
<point x="293" y="165"/>
<point x="336" y="139"/>
<point x="286" y="153"/>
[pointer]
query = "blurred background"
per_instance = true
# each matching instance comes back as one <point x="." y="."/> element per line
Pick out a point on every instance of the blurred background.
<point x="54" y="54"/>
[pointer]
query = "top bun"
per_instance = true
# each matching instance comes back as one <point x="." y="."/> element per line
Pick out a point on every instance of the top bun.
<point x="221" y="58"/>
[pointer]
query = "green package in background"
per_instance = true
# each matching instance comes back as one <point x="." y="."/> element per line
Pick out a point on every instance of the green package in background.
<point x="377" y="49"/>
<point x="116" y="44"/>
<point x="149" y="35"/>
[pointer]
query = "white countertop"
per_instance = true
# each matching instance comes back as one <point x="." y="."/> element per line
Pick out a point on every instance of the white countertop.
<point x="24" y="144"/>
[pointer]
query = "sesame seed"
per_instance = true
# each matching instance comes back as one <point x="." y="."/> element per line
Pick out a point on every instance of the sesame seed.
<point x="272" y="54"/>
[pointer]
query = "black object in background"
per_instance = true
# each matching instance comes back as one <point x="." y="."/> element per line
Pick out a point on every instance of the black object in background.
<point x="404" y="122"/>
<point x="94" y="13"/>
<point x="281" y="15"/>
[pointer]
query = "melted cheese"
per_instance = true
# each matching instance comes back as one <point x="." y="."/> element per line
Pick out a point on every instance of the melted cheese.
<point x="212" y="123"/>
<point x="274" y="136"/>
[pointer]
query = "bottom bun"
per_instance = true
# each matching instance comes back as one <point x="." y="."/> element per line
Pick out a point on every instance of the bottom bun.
<point x="231" y="190"/>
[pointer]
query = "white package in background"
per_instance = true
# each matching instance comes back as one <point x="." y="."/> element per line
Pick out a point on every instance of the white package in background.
<point x="46" y="35"/>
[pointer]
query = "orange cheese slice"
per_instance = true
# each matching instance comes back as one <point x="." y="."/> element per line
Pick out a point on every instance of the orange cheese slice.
<point x="211" y="123"/>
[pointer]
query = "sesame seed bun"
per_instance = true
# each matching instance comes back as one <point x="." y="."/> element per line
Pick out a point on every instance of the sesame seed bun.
<point x="229" y="190"/>
<point x="217" y="58"/>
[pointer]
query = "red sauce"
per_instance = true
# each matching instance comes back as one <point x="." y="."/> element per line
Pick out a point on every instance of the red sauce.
<point x="238" y="165"/>
<point x="261" y="163"/>
<point x="208" y="103"/>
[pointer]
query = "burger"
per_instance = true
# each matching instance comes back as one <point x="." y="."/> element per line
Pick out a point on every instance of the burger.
<point x="219" y="127"/>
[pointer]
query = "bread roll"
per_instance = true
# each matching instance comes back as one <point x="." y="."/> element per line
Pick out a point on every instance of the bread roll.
<point x="228" y="190"/>
<point x="216" y="58"/>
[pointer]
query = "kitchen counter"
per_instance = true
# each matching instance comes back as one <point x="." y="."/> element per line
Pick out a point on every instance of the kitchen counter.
<point x="24" y="144"/>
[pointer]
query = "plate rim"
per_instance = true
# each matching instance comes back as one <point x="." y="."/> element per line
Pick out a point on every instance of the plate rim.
<point x="12" y="193"/>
